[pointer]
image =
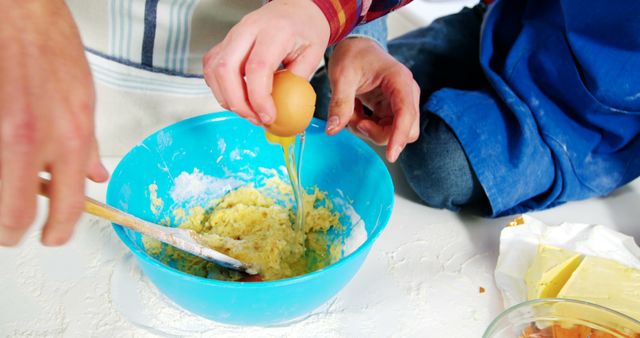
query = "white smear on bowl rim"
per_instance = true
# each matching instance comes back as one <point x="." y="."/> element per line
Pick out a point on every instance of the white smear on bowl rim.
<point x="357" y="233"/>
<point x="196" y="187"/>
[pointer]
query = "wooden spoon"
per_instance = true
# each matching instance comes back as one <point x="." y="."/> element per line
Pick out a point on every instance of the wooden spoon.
<point x="182" y="239"/>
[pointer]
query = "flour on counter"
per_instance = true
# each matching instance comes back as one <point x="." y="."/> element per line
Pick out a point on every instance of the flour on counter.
<point x="140" y="302"/>
<point x="62" y="291"/>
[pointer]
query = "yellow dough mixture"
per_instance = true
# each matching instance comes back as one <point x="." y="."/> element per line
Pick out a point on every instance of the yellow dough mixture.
<point x="254" y="225"/>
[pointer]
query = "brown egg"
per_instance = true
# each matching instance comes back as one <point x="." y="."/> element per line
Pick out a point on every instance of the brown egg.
<point x="295" y="102"/>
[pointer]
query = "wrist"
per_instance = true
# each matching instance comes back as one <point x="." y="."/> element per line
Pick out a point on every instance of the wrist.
<point x="320" y="22"/>
<point x="360" y="45"/>
<point x="375" y="31"/>
<point x="341" y="19"/>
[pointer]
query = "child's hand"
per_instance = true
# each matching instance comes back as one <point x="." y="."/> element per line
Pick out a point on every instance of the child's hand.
<point x="360" y="69"/>
<point x="239" y="70"/>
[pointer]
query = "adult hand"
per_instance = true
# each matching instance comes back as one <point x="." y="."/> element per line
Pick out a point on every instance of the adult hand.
<point x="239" y="70"/>
<point x="362" y="73"/>
<point x="46" y="119"/>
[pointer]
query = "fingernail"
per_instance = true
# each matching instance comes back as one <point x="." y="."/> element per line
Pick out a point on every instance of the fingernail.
<point x="265" y="118"/>
<point x="333" y="122"/>
<point x="46" y="241"/>
<point x="51" y="242"/>
<point x="395" y="153"/>
<point x="252" y="120"/>
<point x="98" y="173"/>
<point x="363" y="131"/>
<point x="53" y="239"/>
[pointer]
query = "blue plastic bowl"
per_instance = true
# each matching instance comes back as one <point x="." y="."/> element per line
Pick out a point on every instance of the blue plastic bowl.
<point x="219" y="144"/>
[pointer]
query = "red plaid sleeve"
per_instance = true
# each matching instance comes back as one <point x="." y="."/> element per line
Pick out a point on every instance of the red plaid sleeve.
<point x="377" y="9"/>
<point x="344" y="15"/>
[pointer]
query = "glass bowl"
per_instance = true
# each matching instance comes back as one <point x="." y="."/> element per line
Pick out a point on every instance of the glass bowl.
<point x="555" y="317"/>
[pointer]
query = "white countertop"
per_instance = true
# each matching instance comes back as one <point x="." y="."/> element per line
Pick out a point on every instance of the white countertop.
<point x="422" y="278"/>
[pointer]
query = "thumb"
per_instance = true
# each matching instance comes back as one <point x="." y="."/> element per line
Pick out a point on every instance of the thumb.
<point x="343" y="97"/>
<point x="304" y="64"/>
<point x="95" y="169"/>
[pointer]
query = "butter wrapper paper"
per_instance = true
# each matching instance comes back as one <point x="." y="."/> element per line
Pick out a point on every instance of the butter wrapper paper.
<point x="519" y="245"/>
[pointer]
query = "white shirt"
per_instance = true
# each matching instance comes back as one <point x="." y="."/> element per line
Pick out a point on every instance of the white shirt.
<point x="147" y="78"/>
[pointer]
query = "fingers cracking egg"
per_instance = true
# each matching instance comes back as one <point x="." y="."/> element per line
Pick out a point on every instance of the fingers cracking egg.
<point x="295" y="102"/>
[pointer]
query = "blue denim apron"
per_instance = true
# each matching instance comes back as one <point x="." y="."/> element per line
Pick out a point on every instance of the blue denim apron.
<point x="561" y="119"/>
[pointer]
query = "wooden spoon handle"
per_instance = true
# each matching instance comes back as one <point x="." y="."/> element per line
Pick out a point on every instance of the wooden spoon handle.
<point x="179" y="238"/>
<point x="112" y="214"/>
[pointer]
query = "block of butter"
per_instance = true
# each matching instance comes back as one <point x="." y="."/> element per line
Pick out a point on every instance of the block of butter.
<point x="581" y="261"/>
<point x="605" y="282"/>
<point x="550" y="270"/>
<point x="556" y="272"/>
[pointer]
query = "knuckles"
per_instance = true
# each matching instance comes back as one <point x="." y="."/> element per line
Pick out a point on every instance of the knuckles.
<point x="406" y="73"/>
<point x="256" y="65"/>
<point x="73" y="143"/>
<point x="67" y="214"/>
<point x="339" y="105"/>
<point x="220" y="68"/>
<point x="403" y="73"/>
<point x="248" y="20"/>
<point x="75" y="139"/>
<point x="21" y="133"/>
<point x="414" y="136"/>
